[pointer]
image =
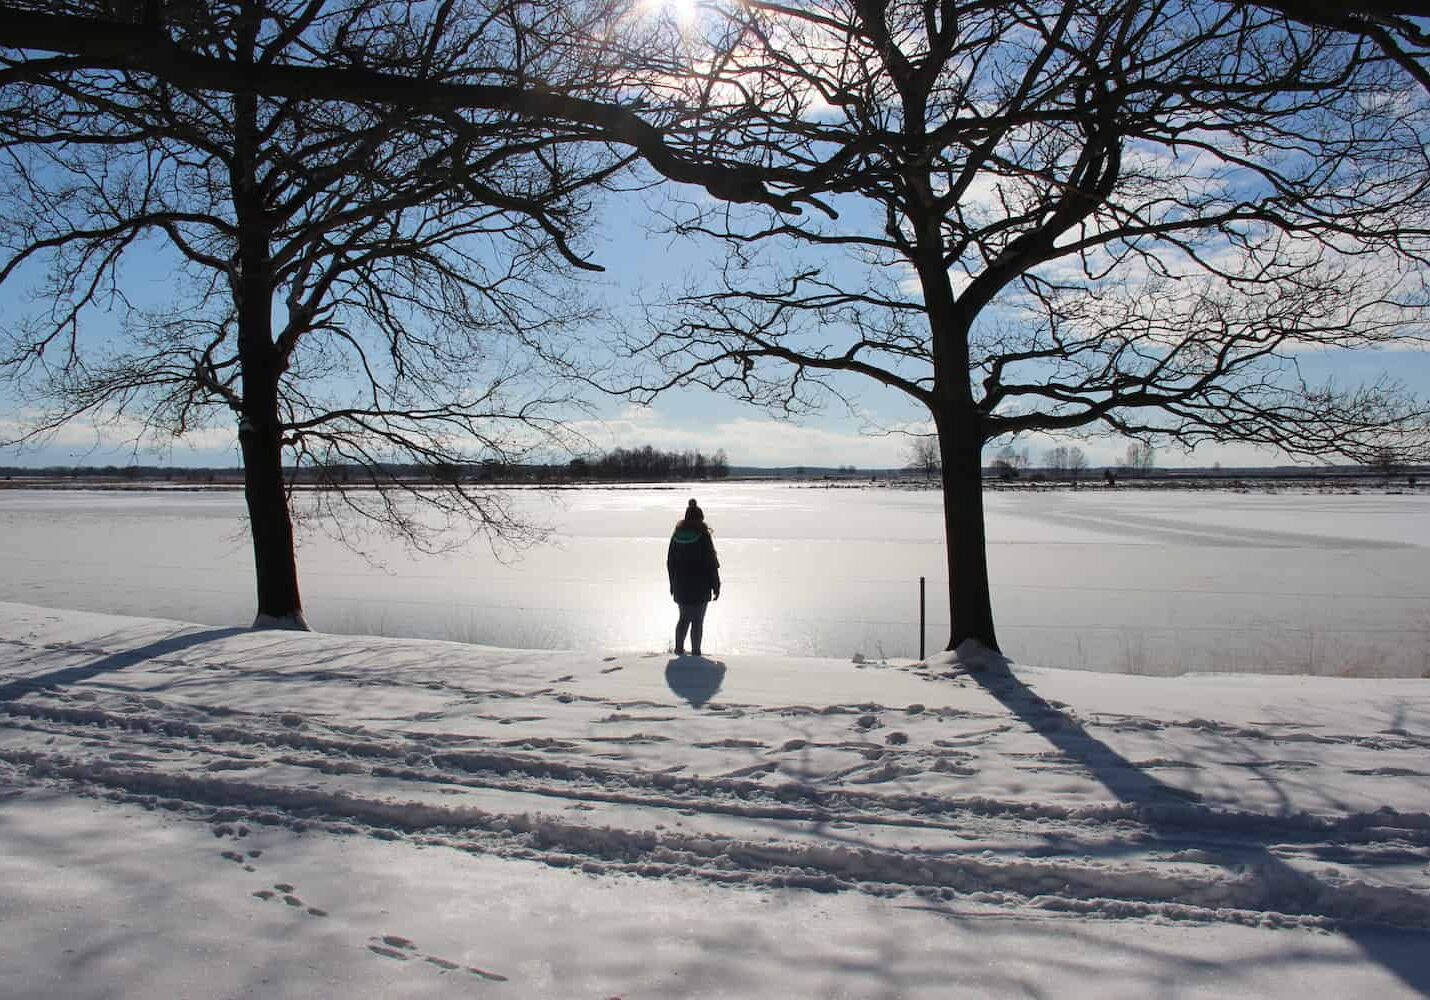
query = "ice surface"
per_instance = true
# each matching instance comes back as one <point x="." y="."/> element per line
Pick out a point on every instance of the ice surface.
<point x="1125" y="581"/>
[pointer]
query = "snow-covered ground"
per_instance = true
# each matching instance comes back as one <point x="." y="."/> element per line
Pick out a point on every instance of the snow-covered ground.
<point x="211" y="812"/>
<point x="1149" y="582"/>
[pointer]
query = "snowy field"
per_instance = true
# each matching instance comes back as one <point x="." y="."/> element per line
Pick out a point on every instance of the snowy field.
<point x="190" y="811"/>
<point x="1147" y="582"/>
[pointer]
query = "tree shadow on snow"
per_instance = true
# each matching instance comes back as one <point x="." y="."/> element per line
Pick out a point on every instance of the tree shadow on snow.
<point x="114" y="661"/>
<point x="1169" y="812"/>
<point x="694" y="678"/>
<point x="900" y="955"/>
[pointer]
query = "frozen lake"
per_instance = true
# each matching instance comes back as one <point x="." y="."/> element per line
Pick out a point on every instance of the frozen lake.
<point x="1124" y="580"/>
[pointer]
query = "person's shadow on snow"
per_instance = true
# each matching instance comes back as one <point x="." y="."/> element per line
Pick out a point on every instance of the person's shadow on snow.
<point x="694" y="678"/>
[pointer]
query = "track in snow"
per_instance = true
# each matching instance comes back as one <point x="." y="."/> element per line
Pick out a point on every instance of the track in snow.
<point x="647" y="792"/>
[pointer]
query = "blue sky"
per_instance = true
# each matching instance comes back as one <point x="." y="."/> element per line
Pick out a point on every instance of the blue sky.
<point x="638" y="258"/>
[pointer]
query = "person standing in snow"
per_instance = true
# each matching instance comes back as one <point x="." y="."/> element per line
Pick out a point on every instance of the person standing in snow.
<point x="694" y="572"/>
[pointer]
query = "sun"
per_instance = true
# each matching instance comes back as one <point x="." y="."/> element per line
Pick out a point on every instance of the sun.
<point x="681" y="11"/>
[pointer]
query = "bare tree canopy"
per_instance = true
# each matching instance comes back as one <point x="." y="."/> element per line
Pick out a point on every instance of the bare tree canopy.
<point x="133" y="36"/>
<point x="1138" y="216"/>
<point x="41" y="38"/>
<point x="1066" y="461"/>
<point x="1397" y="29"/>
<point x="923" y="455"/>
<point x="1141" y="458"/>
<point x="351" y="285"/>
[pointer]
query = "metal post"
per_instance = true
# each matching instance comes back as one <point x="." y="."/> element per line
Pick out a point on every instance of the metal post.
<point x="921" y="618"/>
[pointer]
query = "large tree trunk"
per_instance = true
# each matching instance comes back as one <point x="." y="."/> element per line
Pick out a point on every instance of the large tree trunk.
<point x="260" y="431"/>
<point x="960" y="440"/>
<point x="270" y="524"/>
<point x="970" y="603"/>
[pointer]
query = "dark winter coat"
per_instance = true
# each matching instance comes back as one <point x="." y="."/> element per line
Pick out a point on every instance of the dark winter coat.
<point x="692" y="566"/>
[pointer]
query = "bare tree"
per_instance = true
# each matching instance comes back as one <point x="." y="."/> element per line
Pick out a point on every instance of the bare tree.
<point x="1220" y="175"/>
<point x="1051" y="216"/>
<point x="1066" y="461"/>
<point x="1010" y="462"/>
<point x="1386" y="462"/>
<point x="1005" y="464"/>
<point x="1141" y="458"/>
<point x="923" y="455"/>
<point x="351" y="285"/>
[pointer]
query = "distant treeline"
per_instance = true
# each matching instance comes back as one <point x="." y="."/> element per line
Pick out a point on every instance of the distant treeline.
<point x="628" y="464"/>
<point x="649" y="463"/>
<point x="125" y="473"/>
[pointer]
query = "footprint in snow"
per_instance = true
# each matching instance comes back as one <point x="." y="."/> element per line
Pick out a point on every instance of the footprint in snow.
<point x="387" y="952"/>
<point x="284" y="891"/>
<point x="241" y="860"/>
<point x="731" y="744"/>
<point x="612" y="670"/>
<point x="395" y="946"/>
<point x="754" y="770"/>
